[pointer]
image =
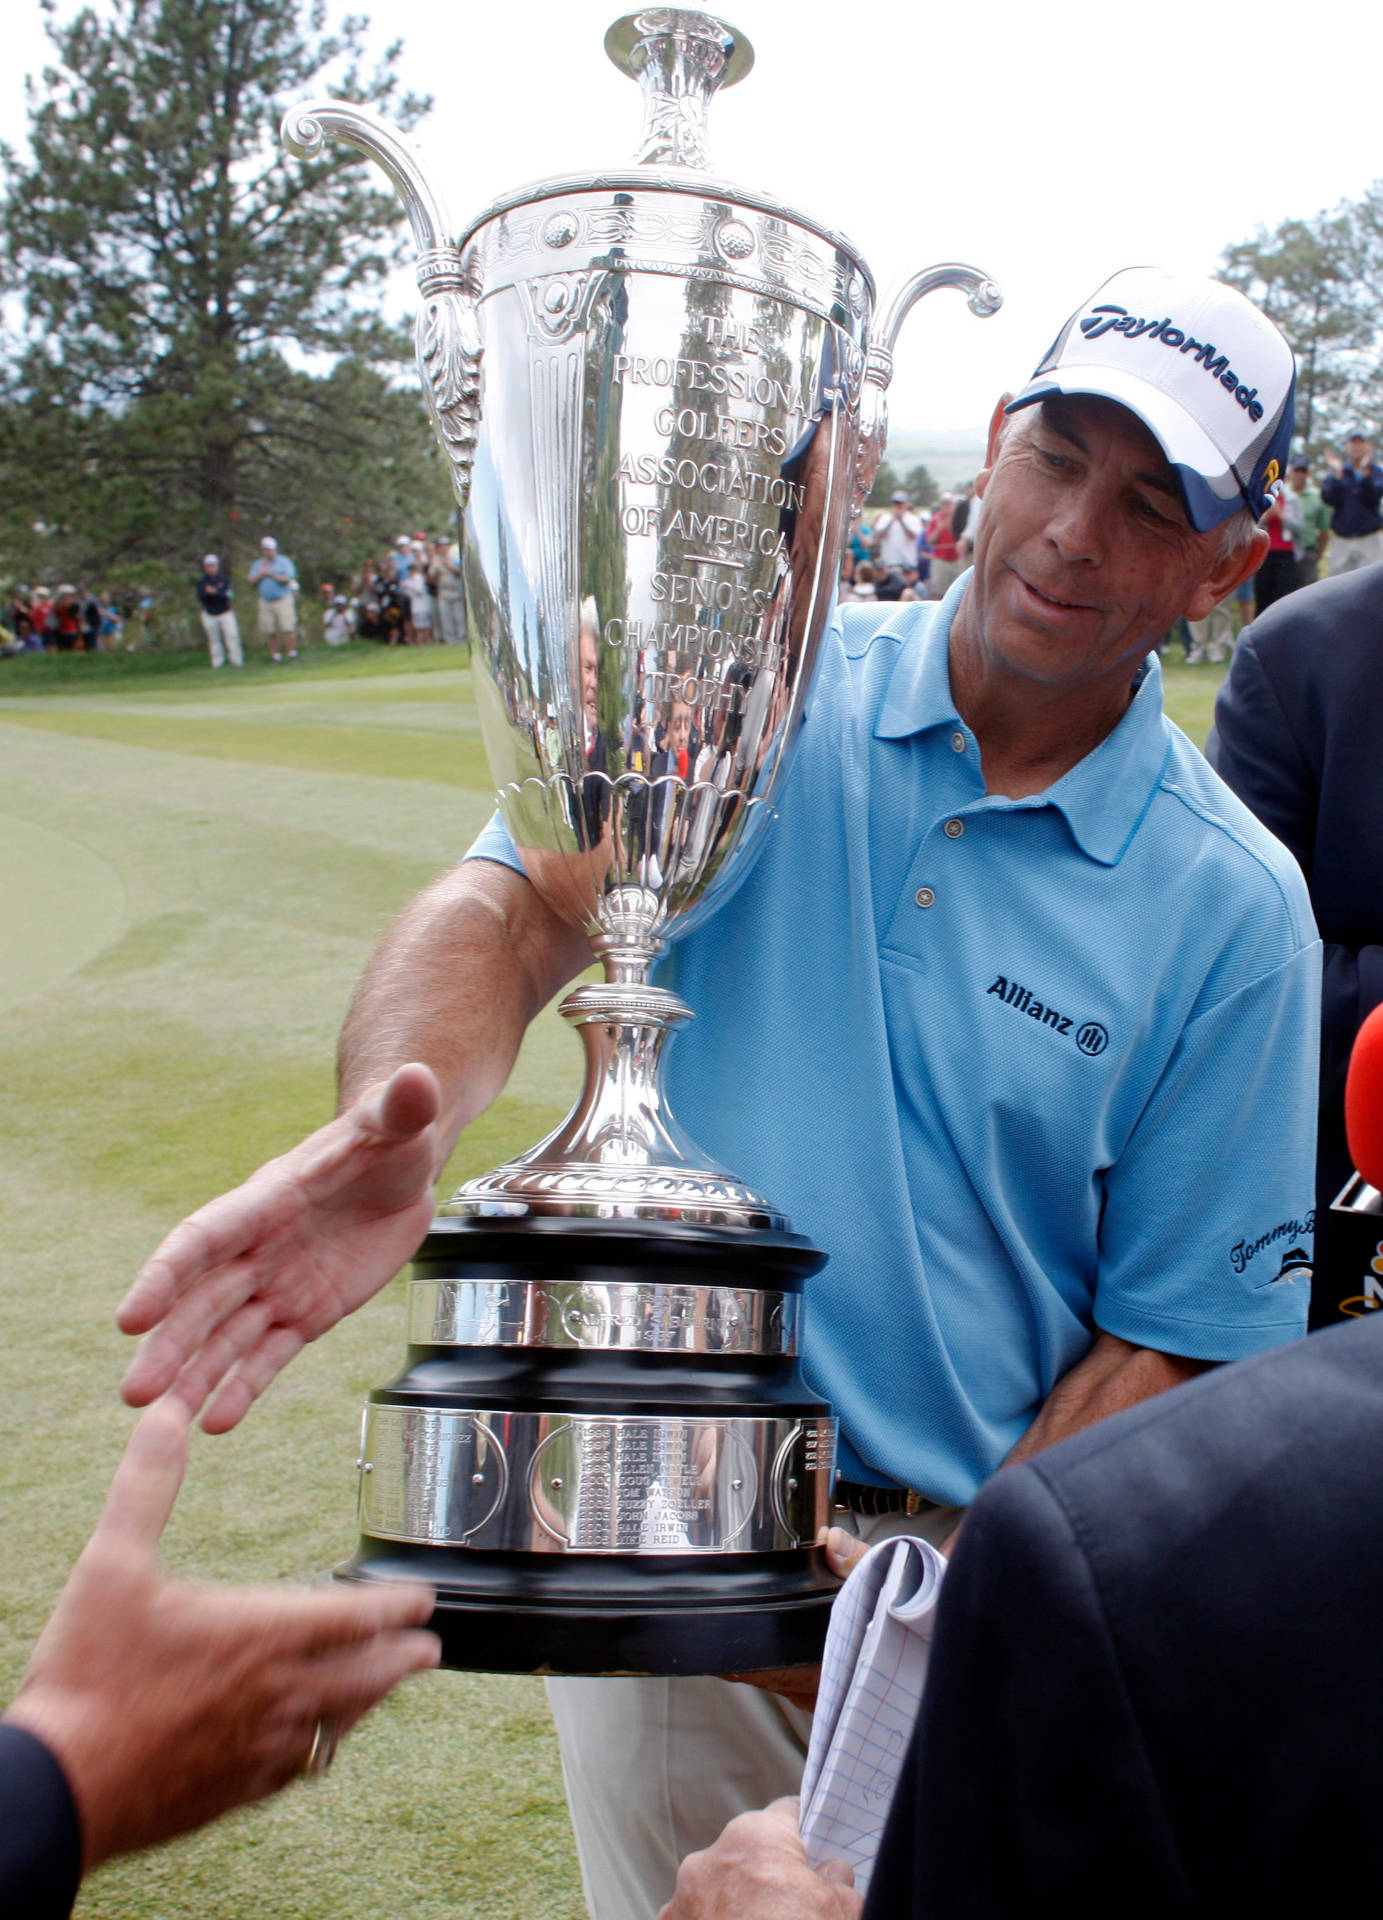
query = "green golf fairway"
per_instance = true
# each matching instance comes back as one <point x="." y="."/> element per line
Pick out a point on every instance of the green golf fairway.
<point x="192" y="876"/>
<point x="194" y="869"/>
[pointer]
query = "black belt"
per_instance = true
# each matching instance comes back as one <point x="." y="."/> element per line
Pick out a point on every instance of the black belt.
<point x="855" y="1496"/>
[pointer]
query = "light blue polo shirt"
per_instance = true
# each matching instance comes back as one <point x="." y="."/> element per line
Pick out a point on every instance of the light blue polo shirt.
<point x="271" y="587"/>
<point x="1023" y="1068"/>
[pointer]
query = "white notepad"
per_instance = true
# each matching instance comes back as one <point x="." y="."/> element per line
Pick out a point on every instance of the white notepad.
<point x="878" y="1648"/>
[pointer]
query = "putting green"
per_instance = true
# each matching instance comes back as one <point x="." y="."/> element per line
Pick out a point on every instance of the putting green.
<point x="63" y="905"/>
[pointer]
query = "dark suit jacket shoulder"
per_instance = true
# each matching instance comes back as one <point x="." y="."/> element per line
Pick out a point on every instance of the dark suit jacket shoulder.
<point x="1157" y="1684"/>
<point x="1298" y="735"/>
<point x="40" y="1836"/>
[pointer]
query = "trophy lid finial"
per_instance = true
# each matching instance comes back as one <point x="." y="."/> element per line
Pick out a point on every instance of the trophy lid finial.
<point x="679" y="58"/>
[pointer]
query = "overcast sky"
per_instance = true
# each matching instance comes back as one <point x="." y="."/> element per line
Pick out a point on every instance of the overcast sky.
<point x="1048" y="144"/>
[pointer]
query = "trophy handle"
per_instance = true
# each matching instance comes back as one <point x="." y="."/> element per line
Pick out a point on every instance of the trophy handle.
<point x="983" y="299"/>
<point x="447" y="336"/>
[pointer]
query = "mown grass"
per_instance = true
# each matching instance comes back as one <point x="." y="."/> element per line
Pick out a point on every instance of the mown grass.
<point x="158" y="667"/>
<point x="194" y="868"/>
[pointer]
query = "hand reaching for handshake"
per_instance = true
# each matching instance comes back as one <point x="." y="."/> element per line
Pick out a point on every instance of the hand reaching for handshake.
<point x="244" y="1283"/>
<point x="167" y="1702"/>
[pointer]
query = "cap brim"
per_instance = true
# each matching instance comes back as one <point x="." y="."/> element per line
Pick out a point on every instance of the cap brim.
<point x="1210" y="489"/>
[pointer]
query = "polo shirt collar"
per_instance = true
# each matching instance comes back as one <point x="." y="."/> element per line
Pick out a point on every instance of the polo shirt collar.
<point x="1103" y="797"/>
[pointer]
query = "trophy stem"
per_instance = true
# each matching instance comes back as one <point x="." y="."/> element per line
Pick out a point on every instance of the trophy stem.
<point x="621" y="1117"/>
<point x="620" y="1154"/>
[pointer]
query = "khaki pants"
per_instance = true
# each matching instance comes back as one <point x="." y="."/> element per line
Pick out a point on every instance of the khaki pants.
<point x="1343" y="555"/>
<point x="278" y="616"/>
<point x="654" y="1768"/>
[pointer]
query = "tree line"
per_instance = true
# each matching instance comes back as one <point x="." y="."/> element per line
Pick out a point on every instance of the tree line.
<point x="193" y="352"/>
<point x="197" y="356"/>
<point x="1321" y="280"/>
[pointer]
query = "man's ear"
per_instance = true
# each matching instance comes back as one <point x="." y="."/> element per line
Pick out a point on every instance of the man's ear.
<point x="1227" y="575"/>
<point x="999" y="424"/>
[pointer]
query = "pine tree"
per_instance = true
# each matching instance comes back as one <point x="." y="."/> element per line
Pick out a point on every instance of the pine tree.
<point x="920" y="487"/>
<point x="886" y="484"/>
<point x="1319" y="280"/>
<point x="199" y="345"/>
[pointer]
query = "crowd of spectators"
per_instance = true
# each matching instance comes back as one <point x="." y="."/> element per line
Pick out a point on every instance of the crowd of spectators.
<point x="1314" y="532"/>
<point x="63" y="619"/>
<point x="909" y="554"/>
<point x="409" y="597"/>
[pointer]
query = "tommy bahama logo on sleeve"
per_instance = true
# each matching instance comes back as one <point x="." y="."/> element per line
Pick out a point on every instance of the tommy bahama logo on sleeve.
<point x="1112" y="319"/>
<point x="1243" y="1251"/>
<point x="1090" y="1036"/>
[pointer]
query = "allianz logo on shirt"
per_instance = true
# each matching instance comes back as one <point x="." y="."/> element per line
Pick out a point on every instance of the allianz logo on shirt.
<point x="1089" y="1036"/>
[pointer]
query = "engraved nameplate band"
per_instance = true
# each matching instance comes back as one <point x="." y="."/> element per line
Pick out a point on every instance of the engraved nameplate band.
<point x="613" y="1316"/>
<point x="588" y="1483"/>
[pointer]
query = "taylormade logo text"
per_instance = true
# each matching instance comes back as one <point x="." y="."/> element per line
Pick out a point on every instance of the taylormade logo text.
<point x="1111" y="319"/>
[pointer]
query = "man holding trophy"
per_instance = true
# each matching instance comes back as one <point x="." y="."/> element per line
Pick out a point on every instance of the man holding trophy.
<point x="1020" y="1005"/>
<point x="1007" y="1007"/>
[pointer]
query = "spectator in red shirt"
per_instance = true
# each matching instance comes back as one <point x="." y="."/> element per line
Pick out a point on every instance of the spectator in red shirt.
<point x="1278" y="574"/>
<point x="62" y="623"/>
<point x="943" y="547"/>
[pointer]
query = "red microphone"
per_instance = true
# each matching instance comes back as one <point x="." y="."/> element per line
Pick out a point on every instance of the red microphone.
<point x="1364" y="1100"/>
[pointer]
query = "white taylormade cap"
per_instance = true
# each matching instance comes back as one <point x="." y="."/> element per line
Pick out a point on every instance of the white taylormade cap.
<point x="210" y="560"/>
<point x="1206" y="372"/>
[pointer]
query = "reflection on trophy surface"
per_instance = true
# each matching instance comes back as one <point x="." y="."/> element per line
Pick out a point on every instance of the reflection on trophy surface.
<point x="662" y="398"/>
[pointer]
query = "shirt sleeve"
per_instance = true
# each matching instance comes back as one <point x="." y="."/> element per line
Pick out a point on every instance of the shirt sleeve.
<point x="40" y="1834"/>
<point x="494" y="842"/>
<point x="1206" y="1232"/>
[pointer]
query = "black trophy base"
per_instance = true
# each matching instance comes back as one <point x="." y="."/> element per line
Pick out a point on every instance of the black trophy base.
<point x="754" y="1613"/>
<point x="505" y="1608"/>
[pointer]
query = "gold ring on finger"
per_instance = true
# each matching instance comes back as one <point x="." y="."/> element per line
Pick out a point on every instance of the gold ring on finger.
<point x="319" y="1756"/>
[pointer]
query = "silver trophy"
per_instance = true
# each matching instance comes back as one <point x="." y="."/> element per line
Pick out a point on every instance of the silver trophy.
<point x="662" y="399"/>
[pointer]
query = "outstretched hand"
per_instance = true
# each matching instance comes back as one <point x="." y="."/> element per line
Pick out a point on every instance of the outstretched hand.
<point x="166" y="1703"/>
<point x="244" y="1283"/>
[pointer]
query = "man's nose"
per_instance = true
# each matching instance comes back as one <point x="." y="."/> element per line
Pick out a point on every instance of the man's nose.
<point x="1078" y="523"/>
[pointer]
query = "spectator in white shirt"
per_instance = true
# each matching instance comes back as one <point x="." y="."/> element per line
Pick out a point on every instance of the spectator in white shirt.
<point x="896" y="534"/>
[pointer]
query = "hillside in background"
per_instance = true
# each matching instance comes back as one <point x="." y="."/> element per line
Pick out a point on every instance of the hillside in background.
<point x="950" y="458"/>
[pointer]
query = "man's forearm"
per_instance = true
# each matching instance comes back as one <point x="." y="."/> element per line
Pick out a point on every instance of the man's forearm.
<point x="454" y="983"/>
<point x="1112" y="1376"/>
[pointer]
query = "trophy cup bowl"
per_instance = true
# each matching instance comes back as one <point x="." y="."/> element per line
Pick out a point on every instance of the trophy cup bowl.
<point x="662" y="398"/>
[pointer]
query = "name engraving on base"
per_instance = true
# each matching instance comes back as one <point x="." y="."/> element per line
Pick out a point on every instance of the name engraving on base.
<point x="583" y="1483"/>
<point x="643" y="1486"/>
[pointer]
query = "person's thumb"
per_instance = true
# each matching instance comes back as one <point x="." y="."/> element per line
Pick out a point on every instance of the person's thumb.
<point x="146" y="1482"/>
<point x="843" y="1551"/>
<point x="836" y="1873"/>
<point x="407" y="1102"/>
